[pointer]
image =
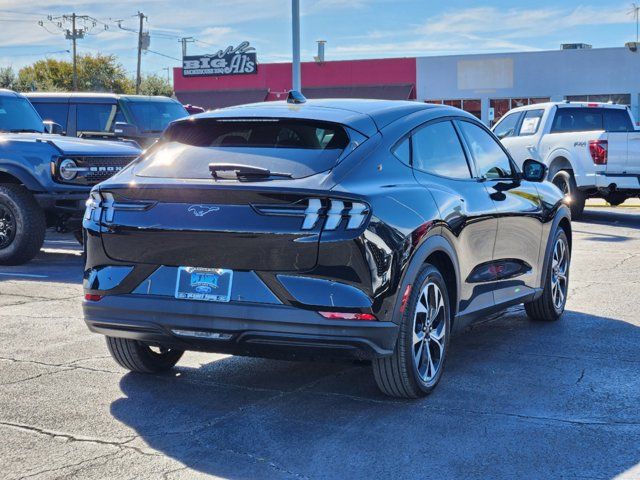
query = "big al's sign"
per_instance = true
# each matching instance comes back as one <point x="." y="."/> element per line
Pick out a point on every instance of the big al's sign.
<point x="240" y="60"/>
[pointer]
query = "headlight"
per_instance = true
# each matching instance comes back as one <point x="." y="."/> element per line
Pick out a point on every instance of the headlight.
<point x="68" y="169"/>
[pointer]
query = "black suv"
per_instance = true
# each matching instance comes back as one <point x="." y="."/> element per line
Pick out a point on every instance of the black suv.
<point x="106" y="115"/>
<point x="328" y="228"/>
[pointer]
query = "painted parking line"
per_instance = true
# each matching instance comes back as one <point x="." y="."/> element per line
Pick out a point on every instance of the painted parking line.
<point x="27" y="275"/>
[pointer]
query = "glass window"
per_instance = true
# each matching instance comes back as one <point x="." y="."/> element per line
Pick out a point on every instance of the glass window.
<point x="617" y="120"/>
<point x="519" y="102"/>
<point x="18" y="115"/>
<point x="491" y="160"/>
<point x="437" y="149"/>
<point x="531" y="122"/>
<point x="500" y="107"/>
<point x="56" y="112"/>
<point x="618" y="98"/>
<point x="154" y="116"/>
<point x="533" y="101"/>
<point x="577" y="120"/>
<point x="453" y="103"/>
<point x="507" y="126"/>
<point x="97" y="117"/>
<point x="402" y="151"/>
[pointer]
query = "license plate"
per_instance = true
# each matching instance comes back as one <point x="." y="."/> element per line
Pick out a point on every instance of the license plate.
<point x="206" y="284"/>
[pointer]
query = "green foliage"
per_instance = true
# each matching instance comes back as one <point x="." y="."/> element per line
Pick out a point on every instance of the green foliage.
<point x="155" y="85"/>
<point x="7" y="78"/>
<point x="96" y="73"/>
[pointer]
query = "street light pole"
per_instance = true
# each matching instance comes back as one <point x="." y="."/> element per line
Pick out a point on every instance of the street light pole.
<point x="295" y="34"/>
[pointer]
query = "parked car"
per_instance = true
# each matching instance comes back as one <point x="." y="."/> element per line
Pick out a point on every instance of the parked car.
<point x="591" y="149"/>
<point x="340" y="227"/>
<point x="109" y="116"/>
<point x="45" y="179"/>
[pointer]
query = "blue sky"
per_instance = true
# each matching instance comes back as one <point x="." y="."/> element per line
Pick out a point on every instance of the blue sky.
<point x="352" y="28"/>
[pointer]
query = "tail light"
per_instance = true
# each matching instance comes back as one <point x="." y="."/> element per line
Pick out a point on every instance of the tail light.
<point x="347" y="316"/>
<point x="335" y="211"/>
<point x="92" y="297"/>
<point x="99" y="203"/>
<point x="598" y="150"/>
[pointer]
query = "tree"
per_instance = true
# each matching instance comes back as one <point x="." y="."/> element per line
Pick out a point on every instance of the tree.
<point x="96" y="73"/>
<point x="155" y="85"/>
<point x="7" y="78"/>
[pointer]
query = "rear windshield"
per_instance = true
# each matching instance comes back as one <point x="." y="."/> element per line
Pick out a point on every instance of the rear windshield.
<point x="578" y="120"/>
<point x="295" y="148"/>
<point x="154" y="116"/>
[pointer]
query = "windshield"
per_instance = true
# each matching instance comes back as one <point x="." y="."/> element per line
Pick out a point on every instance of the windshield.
<point x="153" y="116"/>
<point x="289" y="147"/>
<point x="18" y="115"/>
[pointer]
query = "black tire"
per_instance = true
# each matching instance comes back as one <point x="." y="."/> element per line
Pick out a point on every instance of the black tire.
<point x="22" y="225"/>
<point x="398" y="375"/>
<point x="139" y="357"/>
<point x="615" y="198"/>
<point x="565" y="181"/>
<point x="544" y="308"/>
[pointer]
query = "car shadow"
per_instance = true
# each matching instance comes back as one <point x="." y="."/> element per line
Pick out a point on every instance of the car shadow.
<point x="620" y="217"/>
<point x="518" y="400"/>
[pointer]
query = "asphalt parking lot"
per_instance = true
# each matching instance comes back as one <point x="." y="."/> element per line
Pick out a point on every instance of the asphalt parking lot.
<point x="518" y="399"/>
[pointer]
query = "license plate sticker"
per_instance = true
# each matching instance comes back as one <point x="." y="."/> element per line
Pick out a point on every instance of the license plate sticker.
<point x="205" y="284"/>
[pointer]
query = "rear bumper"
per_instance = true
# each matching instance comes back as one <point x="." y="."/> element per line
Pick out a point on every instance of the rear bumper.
<point x="629" y="182"/>
<point x="279" y="331"/>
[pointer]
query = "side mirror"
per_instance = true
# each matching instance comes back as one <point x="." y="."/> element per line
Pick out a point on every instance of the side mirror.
<point x="52" y="127"/>
<point x="123" y="129"/>
<point x="533" y="170"/>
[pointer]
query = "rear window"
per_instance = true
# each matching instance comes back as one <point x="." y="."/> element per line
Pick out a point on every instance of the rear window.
<point x="578" y="120"/>
<point x="297" y="148"/>
<point x="617" y="120"/>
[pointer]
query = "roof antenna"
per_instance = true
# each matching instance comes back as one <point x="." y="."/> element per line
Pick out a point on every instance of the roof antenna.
<point x="295" y="97"/>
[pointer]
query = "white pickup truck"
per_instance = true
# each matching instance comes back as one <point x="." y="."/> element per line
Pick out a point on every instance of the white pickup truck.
<point x="591" y="149"/>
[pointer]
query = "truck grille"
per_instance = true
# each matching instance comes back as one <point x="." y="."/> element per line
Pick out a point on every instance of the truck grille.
<point x="101" y="168"/>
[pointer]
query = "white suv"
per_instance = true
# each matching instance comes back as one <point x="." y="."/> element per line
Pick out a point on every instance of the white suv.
<point x="591" y="149"/>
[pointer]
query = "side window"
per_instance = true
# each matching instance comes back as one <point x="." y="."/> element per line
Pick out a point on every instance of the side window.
<point x="437" y="149"/>
<point x="97" y="117"/>
<point x="507" y="127"/>
<point x="617" y="120"/>
<point x="531" y="122"/>
<point x="403" y="152"/>
<point x="491" y="160"/>
<point x="56" y="112"/>
<point x="577" y="120"/>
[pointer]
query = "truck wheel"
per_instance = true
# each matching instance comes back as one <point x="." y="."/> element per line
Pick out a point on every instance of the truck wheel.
<point x="550" y="305"/>
<point x="418" y="360"/>
<point x="565" y="181"/>
<point x="140" y="357"/>
<point x="615" y="198"/>
<point x="22" y="225"/>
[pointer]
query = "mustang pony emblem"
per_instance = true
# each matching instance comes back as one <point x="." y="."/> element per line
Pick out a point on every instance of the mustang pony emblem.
<point x="202" y="210"/>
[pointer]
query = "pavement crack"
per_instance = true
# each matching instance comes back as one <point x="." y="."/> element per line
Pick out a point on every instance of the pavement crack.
<point x="122" y="445"/>
<point x="57" y="469"/>
<point x="581" y="377"/>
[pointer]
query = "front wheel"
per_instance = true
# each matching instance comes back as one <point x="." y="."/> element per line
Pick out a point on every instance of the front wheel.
<point x="416" y="366"/>
<point x="550" y="305"/>
<point x="140" y="357"/>
<point x="22" y="225"/>
<point x="566" y="182"/>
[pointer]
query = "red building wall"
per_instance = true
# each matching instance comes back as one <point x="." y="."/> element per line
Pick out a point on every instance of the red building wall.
<point x="276" y="77"/>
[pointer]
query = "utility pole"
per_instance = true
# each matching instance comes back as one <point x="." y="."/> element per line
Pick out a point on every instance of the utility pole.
<point x="295" y="36"/>
<point x="168" y="69"/>
<point x="184" y="41"/>
<point x="75" y="33"/>
<point x="635" y="10"/>
<point x="141" y="16"/>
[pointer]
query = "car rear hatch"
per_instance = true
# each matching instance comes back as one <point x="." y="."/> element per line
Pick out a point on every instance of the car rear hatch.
<point x="224" y="204"/>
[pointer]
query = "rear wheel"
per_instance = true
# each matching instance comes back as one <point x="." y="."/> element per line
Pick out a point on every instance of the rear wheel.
<point x="615" y="198"/>
<point x="140" y="357"/>
<point x="418" y="360"/>
<point x="22" y="225"/>
<point x="566" y="182"/>
<point x="550" y="305"/>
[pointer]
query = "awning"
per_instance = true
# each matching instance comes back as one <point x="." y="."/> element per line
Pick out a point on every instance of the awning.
<point x="402" y="91"/>
<point x="210" y="99"/>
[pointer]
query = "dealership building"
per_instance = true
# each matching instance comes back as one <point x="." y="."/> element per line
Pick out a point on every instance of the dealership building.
<point x="486" y="85"/>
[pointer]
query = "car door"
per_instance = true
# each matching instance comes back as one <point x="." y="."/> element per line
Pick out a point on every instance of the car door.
<point x="515" y="267"/>
<point x="468" y="213"/>
<point x="525" y="141"/>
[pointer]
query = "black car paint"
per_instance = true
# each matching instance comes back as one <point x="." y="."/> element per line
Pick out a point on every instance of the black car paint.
<point x="469" y="228"/>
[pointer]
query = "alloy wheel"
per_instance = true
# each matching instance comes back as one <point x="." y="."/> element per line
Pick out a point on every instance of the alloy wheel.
<point x="7" y="226"/>
<point x="559" y="268"/>
<point x="429" y="331"/>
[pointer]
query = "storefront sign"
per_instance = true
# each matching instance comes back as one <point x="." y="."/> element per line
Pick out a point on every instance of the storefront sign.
<point x="240" y="60"/>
